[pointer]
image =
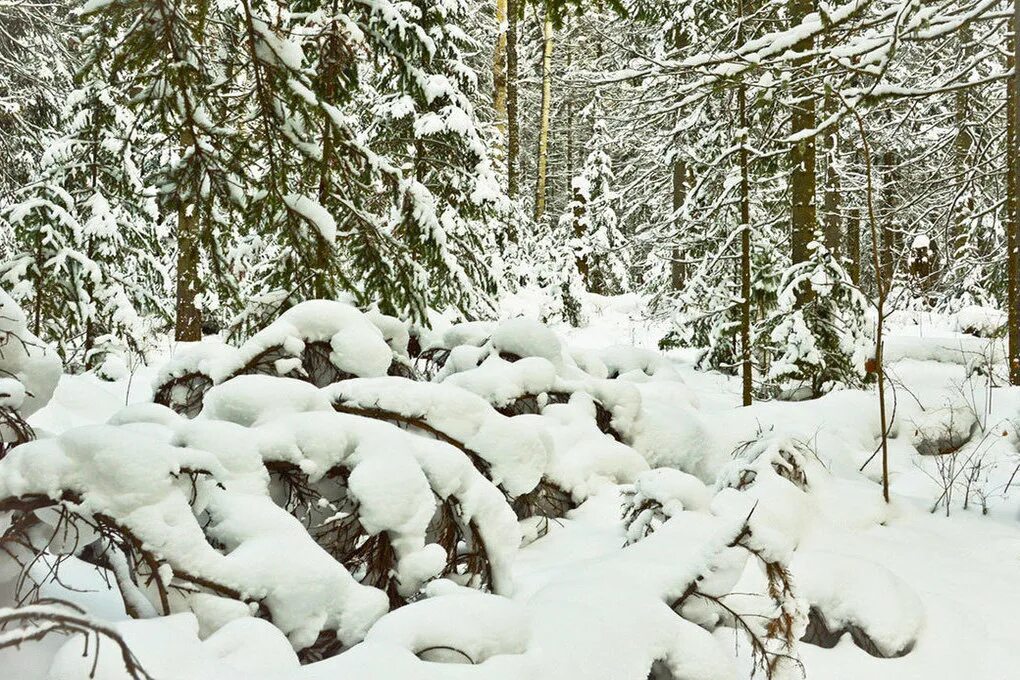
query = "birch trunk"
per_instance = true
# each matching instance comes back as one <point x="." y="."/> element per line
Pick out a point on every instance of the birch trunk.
<point x="543" y="133"/>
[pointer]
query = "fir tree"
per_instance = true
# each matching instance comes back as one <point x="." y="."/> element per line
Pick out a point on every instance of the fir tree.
<point x="90" y="270"/>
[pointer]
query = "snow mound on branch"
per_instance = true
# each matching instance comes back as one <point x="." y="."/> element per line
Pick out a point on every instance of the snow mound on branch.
<point x="621" y="399"/>
<point x="318" y="341"/>
<point x="209" y="357"/>
<point x="641" y="400"/>
<point x="251" y="399"/>
<point x="501" y="382"/>
<point x="395" y="332"/>
<point x="772" y="474"/>
<point x="484" y="626"/>
<point x="523" y="337"/>
<point x="657" y="495"/>
<point x="26" y="359"/>
<point x="358" y="346"/>
<point x="174" y="649"/>
<point x="585" y="459"/>
<point x="857" y="596"/>
<point x="676" y="491"/>
<point x="12" y="393"/>
<point x="183" y="381"/>
<point x="393" y="475"/>
<point x="564" y="445"/>
<point x="141" y="413"/>
<point x="622" y="360"/>
<point x="319" y="217"/>
<point x="473" y="333"/>
<point x="982" y="322"/>
<point x="515" y="454"/>
<point x="942" y="430"/>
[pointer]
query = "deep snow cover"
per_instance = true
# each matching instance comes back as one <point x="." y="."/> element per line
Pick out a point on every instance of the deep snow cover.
<point x="510" y="501"/>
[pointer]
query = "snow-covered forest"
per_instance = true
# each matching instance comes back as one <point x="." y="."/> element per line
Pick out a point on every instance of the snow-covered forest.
<point x="509" y="340"/>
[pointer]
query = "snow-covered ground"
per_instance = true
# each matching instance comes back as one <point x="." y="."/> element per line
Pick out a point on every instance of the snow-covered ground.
<point x="930" y="581"/>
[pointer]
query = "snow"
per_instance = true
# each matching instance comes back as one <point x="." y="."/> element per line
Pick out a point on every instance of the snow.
<point x="12" y="393"/>
<point x="980" y="321"/>
<point x="515" y="452"/>
<point x="250" y="399"/>
<point x="526" y="338"/>
<point x="358" y="345"/>
<point x="500" y="382"/>
<point x="663" y="466"/>
<point x="920" y="242"/>
<point x="26" y="359"/>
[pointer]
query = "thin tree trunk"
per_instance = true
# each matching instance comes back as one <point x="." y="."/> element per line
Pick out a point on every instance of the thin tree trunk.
<point x="580" y="209"/>
<point x="853" y="246"/>
<point x="499" y="67"/>
<point x="882" y="291"/>
<point x="90" y="322"/>
<point x="543" y="133"/>
<point x="963" y="144"/>
<point x="1013" y="205"/>
<point x="890" y="234"/>
<point x="189" y="316"/>
<point x="745" y="251"/>
<point x="568" y="173"/>
<point x="802" y="154"/>
<point x="745" y="234"/>
<point x="330" y="63"/>
<point x="833" y="222"/>
<point x="37" y="302"/>
<point x="513" y="141"/>
<point x="678" y="270"/>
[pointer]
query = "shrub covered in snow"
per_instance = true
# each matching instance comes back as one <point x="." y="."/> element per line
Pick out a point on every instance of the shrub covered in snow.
<point x="656" y="496"/>
<point x="319" y="341"/>
<point x="982" y="322"/>
<point x="820" y="336"/>
<point x="319" y="521"/>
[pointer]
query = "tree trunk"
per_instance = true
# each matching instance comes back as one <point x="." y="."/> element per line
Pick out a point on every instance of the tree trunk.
<point x="568" y="173"/>
<point x="802" y="154"/>
<point x="745" y="251"/>
<point x="890" y="234"/>
<point x="853" y="246"/>
<point x="580" y="210"/>
<point x="678" y="270"/>
<point x="330" y="61"/>
<point x="543" y="133"/>
<point x="879" y="358"/>
<point x="1013" y="205"/>
<point x="833" y="222"/>
<point x="189" y="316"/>
<point x="499" y="67"/>
<point x="963" y="144"/>
<point x="513" y="141"/>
